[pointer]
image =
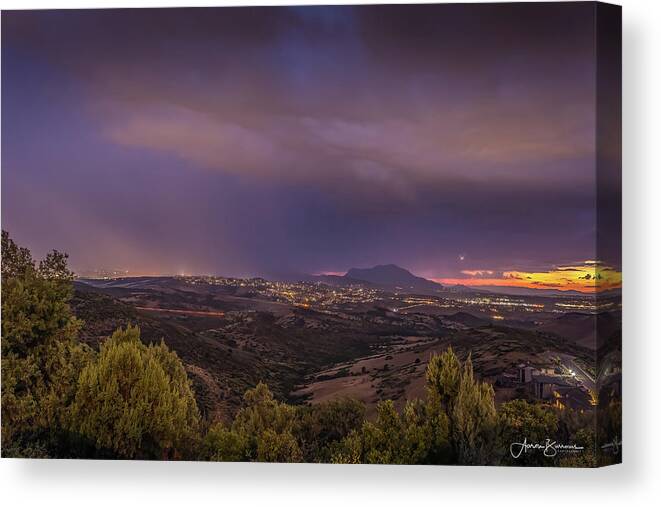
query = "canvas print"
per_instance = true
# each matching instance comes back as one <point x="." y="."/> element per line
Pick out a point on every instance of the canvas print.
<point x="384" y="234"/>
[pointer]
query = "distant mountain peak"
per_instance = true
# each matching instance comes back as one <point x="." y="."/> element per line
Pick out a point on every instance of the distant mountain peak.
<point x="382" y="268"/>
<point x="391" y="275"/>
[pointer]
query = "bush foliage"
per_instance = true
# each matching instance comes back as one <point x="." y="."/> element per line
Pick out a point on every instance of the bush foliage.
<point x="135" y="400"/>
<point x="129" y="400"/>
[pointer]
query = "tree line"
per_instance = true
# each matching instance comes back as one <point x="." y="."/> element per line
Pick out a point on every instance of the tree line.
<point x="129" y="400"/>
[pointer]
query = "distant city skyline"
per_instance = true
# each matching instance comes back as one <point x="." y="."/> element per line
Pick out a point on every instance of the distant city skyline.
<point x="456" y="141"/>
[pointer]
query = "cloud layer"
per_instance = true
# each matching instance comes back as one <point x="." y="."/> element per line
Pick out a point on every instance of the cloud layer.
<point x="266" y="140"/>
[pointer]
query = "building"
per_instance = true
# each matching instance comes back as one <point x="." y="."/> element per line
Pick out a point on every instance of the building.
<point x="545" y="385"/>
<point x="526" y="373"/>
<point x="575" y="398"/>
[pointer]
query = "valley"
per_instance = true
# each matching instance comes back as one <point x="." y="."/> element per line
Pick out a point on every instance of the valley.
<point x="312" y="341"/>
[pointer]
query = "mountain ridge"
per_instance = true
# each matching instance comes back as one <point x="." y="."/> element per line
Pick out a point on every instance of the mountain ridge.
<point x="391" y="275"/>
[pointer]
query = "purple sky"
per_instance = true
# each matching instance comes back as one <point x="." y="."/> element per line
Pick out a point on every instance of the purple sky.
<point x="288" y="140"/>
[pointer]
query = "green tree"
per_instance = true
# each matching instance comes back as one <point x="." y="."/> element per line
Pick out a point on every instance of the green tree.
<point x="41" y="356"/>
<point x="519" y="420"/>
<point x="266" y="427"/>
<point x="443" y="377"/>
<point x="585" y="458"/>
<point x="278" y="447"/>
<point x="16" y="261"/>
<point x="136" y="401"/>
<point x="473" y="419"/>
<point x="466" y="405"/>
<point x="223" y="444"/>
<point x="391" y="439"/>
<point x="323" y="425"/>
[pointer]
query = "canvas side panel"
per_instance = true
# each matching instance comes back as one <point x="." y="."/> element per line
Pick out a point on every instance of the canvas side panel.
<point x="609" y="231"/>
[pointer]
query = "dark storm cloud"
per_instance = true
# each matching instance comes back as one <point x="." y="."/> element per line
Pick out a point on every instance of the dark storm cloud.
<point x="302" y="139"/>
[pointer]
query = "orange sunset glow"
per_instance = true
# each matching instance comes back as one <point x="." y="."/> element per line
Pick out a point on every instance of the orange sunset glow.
<point x="588" y="277"/>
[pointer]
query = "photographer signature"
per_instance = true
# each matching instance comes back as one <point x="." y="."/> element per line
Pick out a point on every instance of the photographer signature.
<point x="614" y="445"/>
<point x="550" y="448"/>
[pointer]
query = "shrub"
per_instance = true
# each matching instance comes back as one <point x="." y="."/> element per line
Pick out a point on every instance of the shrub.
<point x="136" y="400"/>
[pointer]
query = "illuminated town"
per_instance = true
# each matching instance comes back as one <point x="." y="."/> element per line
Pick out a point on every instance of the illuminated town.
<point x="322" y="296"/>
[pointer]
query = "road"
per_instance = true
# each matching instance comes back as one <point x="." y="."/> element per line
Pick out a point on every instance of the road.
<point x="197" y="313"/>
<point x="581" y="375"/>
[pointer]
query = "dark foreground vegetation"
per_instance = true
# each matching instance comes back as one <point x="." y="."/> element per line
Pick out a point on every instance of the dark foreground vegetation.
<point x="128" y="400"/>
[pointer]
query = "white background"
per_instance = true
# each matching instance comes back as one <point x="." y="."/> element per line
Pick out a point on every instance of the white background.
<point x="636" y="482"/>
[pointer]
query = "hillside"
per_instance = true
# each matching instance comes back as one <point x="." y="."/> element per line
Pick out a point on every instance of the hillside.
<point x="224" y="356"/>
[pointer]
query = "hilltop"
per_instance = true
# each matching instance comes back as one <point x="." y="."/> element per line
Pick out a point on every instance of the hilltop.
<point x="392" y="276"/>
